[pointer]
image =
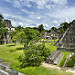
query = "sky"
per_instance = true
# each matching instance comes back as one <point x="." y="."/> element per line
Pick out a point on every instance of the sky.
<point x="32" y="13"/>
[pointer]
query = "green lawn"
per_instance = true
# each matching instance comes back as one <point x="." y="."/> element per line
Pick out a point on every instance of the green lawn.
<point x="10" y="53"/>
<point x="51" y="47"/>
<point x="50" y="40"/>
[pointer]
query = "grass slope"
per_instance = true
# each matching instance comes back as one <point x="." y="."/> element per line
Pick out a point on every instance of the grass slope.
<point x="61" y="64"/>
<point x="10" y="53"/>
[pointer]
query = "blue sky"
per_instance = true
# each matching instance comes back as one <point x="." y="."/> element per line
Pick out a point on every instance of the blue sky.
<point x="35" y="12"/>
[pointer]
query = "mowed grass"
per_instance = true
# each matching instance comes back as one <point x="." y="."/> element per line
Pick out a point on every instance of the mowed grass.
<point x="11" y="52"/>
<point x="51" y="47"/>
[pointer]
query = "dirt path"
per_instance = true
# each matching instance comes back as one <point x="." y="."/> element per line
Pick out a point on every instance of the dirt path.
<point x="72" y="70"/>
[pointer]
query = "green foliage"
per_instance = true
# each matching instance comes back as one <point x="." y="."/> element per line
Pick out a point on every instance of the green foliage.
<point x="13" y="33"/>
<point x="71" y="61"/>
<point x="54" y="28"/>
<point x="62" y="31"/>
<point x="1" y="17"/>
<point x="34" y="55"/>
<point x="32" y="35"/>
<point x="26" y="36"/>
<point x="18" y="28"/>
<point x="41" y="28"/>
<point x="64" y="25"/>
<point x="20" y="37"/>
<point x="2" y="31"/>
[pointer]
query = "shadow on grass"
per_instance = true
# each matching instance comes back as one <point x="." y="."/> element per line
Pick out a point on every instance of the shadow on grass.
<point x="17" y="49"/>
<point x="10" y="45"/>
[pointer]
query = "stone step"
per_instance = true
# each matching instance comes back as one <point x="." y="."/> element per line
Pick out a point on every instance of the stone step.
<point x="58" y="59"/>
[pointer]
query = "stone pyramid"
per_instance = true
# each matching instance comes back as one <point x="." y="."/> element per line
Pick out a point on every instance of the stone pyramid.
<point x="67" y="41"/>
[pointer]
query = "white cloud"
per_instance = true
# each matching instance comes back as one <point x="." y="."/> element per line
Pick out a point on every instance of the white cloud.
<point x="16" y="4"/>
<point x="67" y="20"/>
<point x="62" y="15"/>
<point x="41" y="4"/>
<point x="26" y="11"/>
<point x="54" y="12"/>
<point x="21" y="23"/>
<point x="61" y="2"/>
<point x="56" y="22"/>
<point x="38" y="17"/>
<point x="46" y="25"/>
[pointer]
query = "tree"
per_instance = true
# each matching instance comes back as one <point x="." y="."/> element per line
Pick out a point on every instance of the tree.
<point x="41" y="28"/>
<point x="1" y="17"/>
<point x="13" y="33"/>
<point x="18" y="28"/>
<point x="64" y="25"/>
<point x="20" y="37"/>
<point x="54" y="28"/>
<point x="27" y="36"/>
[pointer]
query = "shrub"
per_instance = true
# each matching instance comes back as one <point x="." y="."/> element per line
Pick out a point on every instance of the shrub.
<point x="34" y="55"/>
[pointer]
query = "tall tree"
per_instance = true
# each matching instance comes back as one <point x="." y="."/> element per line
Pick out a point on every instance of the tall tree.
<point x="41" y="28"/>
<point x="18" y="28"/>
<point x="64" y="25"/>
<point x="54" y="28"/>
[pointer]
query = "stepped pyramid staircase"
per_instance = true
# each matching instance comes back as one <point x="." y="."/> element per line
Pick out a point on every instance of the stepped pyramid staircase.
<point x="55" y="57"/>
<point x="67" y="41"/>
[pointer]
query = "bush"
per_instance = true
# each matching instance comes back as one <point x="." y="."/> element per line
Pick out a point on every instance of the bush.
<point x="34" y="55"/>
<point x="71" y="61"/>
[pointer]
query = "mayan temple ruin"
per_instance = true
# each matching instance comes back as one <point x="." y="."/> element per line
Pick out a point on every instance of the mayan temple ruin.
<point x="67" y="41"/>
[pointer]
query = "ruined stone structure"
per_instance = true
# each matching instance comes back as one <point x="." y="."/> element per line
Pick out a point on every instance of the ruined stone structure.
<point x="6" y="39"/>
<point x="52" y="35"/>
<point x="67" y="41"/>
<point x="55" y="58"/>
<point x="9" y="25"/>
<point x="5" y="69"/>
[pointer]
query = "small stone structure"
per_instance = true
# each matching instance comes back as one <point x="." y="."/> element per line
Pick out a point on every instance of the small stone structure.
<point x="51" y="35"/>
<point x="6" y="39"/>
<point x="55" y="57"/>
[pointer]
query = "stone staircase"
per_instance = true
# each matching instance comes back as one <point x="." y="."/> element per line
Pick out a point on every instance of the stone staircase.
<point x="55" y="57"/>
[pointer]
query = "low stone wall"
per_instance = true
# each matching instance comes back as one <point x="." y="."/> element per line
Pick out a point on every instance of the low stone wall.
<point x="55" y="57"/>
<point x="64" y="49"/>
